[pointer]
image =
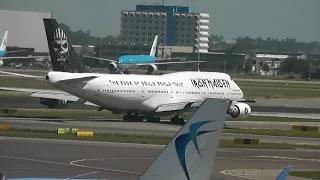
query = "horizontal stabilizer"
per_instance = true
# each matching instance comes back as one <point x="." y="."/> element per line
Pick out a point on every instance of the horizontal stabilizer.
<point x="174" y="62"/>
<point x="44" y="93"/>
<point x="103" y="59"/>
<point x="24" y="75"/>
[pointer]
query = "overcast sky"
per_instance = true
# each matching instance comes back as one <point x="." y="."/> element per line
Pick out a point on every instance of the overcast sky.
<point x="231" y="18"/>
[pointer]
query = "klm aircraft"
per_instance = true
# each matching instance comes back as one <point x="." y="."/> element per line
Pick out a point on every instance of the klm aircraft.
<point x="3" y="51"/>
<point x="137" y="61"/>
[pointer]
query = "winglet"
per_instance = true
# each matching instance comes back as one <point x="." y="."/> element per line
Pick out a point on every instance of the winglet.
<point x="4" y="41"/>
<point x="154" y="46"/>
<point x="190" y="154"/>
<point x="284" y="174"/>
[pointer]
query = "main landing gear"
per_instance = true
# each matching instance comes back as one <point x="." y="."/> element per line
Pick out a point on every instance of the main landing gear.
<point x="176" y="120"/>
<point x="132" y="117"/>
<point x="135" y="117"/>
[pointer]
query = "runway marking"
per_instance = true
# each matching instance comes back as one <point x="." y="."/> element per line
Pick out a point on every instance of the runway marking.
<point x="107" y="169"/>
<point x="81" y="175"/>
<point x="289" y="158"/>
<point x="227" y="172"/>
<point x="35" y="160"/>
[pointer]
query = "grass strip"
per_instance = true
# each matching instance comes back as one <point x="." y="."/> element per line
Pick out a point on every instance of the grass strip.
<point x="141" y="139"/>
<point x="274" y="132"/>
<point x="306" y="174"/>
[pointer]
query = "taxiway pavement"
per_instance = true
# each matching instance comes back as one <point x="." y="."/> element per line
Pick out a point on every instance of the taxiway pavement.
<point x="144" y="128"/>
<point x="28" y="157"/>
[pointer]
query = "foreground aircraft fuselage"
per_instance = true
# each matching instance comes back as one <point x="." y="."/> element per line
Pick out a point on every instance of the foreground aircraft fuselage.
<point x="151" y="93"/>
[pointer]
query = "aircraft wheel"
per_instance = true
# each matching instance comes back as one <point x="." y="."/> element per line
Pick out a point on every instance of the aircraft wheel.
<point x="157" y="119"/>
<point x="125" y="117"/>
<point x="181" y="121"/>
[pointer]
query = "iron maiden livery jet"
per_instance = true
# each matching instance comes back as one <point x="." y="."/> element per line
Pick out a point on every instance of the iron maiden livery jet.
<point x="138" y="96"/>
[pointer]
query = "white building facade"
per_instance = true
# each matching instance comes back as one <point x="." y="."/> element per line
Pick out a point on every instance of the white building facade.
<point x="175" y="26"/>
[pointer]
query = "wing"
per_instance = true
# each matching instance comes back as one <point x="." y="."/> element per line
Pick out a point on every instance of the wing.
<point x="44" y="93"/>
<point x="103" y="59"/>
<point x="175" y="62"/>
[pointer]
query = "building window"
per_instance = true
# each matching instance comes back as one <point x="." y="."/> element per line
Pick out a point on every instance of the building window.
<point x="137" y="33"/>
<point x="137" y="27"/>
<point x="137" y="22"/>
<point x="182" y="29"/>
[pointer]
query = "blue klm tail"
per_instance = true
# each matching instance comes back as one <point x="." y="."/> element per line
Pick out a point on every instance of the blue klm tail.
<point x="284" y="174"/>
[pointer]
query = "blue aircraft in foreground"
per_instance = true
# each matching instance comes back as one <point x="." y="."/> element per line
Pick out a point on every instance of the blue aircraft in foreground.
<point x="150" y="61"/>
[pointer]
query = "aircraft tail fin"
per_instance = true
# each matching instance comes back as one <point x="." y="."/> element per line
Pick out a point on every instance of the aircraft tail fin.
<point x="284" y="174"/>
<point x="63" y="57"/>
<point x="190" y="154"/>
<point x="4" y="41"/>
<point x="154" y="46"/>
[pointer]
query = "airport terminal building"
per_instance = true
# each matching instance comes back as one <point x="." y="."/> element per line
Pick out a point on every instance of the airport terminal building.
<point x="175" y="26"/>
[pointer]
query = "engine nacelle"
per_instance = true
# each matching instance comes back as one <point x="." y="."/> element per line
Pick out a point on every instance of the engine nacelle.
<point x="152" y="68"/>
<point x="239" y="110"/>
<point x="54" y="103"/>
<point x="112" y="66"/>
<point x="1" y="63"/>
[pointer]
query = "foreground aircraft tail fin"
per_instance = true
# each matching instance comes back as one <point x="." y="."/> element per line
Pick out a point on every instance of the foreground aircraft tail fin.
<point x="63" y="57"/>
<point x="190" y="154"/>
<point x="4" y="41"/>
<point x="284" y="174"/>
<point x="154" y="46"/>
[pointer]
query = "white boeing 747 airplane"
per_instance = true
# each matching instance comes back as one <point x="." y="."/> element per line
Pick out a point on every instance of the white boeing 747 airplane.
<point x="139" y="96"/>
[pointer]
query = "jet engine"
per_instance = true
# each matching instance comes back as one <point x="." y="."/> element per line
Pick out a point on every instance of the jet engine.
<point x="54" y="103"/>
<point x="152" y="68"/>
<point x="239" y="110"/>
<point x="112" y="66"/>
<point x="1" y="63"/>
